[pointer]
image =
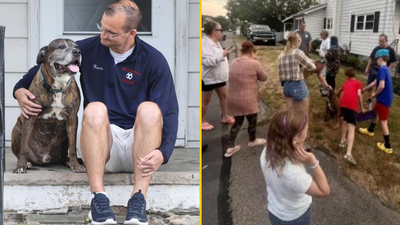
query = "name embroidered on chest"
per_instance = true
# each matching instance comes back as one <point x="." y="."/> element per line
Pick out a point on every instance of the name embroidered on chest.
<point x="56" y="108"/>
<point x="96" y="67"/>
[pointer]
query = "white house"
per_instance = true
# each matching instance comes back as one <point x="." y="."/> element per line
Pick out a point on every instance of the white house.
<point x="170" y="26"/>
<point x="357" y="23"/>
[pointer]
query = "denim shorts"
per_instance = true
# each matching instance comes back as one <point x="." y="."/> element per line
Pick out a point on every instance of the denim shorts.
<point x="297" y="90"/>
<point x="304" y="219"/>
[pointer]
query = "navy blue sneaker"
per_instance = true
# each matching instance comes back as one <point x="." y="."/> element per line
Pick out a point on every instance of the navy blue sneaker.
<point x="136" y="210"/>
<point x="100" y="211"/>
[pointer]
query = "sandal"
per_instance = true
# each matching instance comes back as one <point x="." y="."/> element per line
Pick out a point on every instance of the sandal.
<point x="257" y="142"/>
<point x="206" y="126"/>
<point x="230" y="151"/>
<point x="342" y="145"/>
<point x="228" y="120"/>
<point x="350" y="159"/>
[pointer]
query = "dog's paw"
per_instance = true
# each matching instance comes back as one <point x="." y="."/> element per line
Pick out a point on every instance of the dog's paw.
<point x="20" y="169"/>
<point x="77" y="168"/>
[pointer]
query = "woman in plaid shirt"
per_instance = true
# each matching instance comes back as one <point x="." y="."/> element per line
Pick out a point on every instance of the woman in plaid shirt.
<point x="291" y="63"/>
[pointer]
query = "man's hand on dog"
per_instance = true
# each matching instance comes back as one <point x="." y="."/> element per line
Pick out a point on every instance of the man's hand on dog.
<point x="150" y="163"/>
<point x="28" y="108"/>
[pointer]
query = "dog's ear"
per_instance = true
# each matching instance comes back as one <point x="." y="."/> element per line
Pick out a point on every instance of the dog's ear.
<point x="41" y="54"/>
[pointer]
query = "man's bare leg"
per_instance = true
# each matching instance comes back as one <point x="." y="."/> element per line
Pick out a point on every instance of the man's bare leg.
<point x="96" y="143"/>
<point x="147" y="137"/>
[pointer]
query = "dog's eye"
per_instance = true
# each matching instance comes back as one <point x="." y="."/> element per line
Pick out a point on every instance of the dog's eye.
<point x="61" y="47"/>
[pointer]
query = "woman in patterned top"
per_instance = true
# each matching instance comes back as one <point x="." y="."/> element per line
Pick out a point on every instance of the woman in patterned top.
<point x="290" y="64"/>
<point x="333" y="63"/>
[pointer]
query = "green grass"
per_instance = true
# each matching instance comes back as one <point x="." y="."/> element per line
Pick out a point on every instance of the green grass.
<point x="376" y="171"/>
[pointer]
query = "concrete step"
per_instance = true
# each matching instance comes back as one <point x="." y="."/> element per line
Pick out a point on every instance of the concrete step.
<point x="174" y="187"/>
<point x="76" y="215"/>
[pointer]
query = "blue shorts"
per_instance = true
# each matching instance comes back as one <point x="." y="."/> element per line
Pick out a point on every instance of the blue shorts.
<point x="304" y="219"/>
<point x="297" y="90"/>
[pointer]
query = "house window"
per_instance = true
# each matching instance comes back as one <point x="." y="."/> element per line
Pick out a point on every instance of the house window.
<point x="297" y="23"/>
<point x="288" y="26"/>
<point x="328" y="23"/>
<point x="80" y="17"/>
<point x="365" y="22"/>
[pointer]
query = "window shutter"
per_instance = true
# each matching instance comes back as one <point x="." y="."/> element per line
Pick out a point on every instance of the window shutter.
<point x="376" y="22"/>
<point x="325" y="23"/>
<point x="353" y="18"/>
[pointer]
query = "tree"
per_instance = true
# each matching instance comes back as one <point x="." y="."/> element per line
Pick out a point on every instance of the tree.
<point x="270" y="12"/>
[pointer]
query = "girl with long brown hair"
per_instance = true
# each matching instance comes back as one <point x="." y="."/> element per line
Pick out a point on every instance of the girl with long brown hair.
<point x="283" y="163"/>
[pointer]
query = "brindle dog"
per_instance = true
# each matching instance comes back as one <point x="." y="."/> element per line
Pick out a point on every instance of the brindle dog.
<point x="332" y="108"/>
<point x="50" y="137"/>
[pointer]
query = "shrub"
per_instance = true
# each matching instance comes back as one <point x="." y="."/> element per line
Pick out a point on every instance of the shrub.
<point x="353" y="61"/>
<point x="396" y="85"/>
<point x="315" y="44"/>
<point x="362" y="65"/>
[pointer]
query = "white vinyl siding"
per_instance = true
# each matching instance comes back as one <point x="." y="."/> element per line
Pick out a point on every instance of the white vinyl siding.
<point x="329" y="15"/>
<point x="14" y="16"/>
<point x="193" y="113"/>
<point x="315" y="22"/>
<point x="364" y="41"/>
<point x="396" y="24"/>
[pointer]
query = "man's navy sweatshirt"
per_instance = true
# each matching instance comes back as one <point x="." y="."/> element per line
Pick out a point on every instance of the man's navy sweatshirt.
<point x="143" y="76"/>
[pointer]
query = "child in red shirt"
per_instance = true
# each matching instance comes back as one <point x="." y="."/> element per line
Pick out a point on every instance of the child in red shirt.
<point x="349" y="100"/>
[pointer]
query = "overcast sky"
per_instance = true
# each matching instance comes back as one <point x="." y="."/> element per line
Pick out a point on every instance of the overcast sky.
<point x="214" y="7"/>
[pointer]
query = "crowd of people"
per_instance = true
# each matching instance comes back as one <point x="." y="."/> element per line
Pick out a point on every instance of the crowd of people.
<point x="285" y="160"/>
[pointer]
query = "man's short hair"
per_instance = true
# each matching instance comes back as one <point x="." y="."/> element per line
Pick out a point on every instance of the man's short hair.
<point x="131" y="11"/>
<point x="384" y="35"/>
<point x="325" y="32"/>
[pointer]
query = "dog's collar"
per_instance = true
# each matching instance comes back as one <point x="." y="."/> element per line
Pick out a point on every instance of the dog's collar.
<point x="49" y="88"/>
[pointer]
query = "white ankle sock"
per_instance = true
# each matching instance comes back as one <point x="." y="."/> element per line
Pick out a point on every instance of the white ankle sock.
<point x="92" y="195"/>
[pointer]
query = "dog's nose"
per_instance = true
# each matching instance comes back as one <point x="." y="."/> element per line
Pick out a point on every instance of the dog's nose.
<point x="76" y="52"/>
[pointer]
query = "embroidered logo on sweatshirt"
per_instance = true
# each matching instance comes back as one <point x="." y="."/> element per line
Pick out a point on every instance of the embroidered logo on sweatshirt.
<point x="96" y="67"/>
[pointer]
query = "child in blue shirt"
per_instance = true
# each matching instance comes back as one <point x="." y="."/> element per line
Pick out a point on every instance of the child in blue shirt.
<point x="384" y="99"/>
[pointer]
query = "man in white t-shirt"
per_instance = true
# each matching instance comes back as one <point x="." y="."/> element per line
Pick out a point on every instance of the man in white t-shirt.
<point x="325" y="45"/>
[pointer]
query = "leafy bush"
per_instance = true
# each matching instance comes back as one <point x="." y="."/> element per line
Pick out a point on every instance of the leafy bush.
<point x="396" y="85"/>
<point x="353" y="61"/>
<point x="315" y="44"/>
<point x="362" y="65"/>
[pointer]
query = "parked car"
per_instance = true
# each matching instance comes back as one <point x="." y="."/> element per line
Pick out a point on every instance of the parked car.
<point x="261" y="33"/>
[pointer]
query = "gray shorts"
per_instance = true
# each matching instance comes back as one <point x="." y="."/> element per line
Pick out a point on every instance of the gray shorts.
<point x="297" y="90"/>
